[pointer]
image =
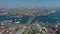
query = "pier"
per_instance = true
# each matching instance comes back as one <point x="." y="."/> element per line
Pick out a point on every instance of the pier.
<point x="30" y="20"/>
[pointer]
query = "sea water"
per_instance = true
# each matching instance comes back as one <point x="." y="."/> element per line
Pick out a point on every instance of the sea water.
<point x="51" y="18"/>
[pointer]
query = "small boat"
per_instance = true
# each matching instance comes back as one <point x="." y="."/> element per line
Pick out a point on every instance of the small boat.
<point x="17" y="22"/>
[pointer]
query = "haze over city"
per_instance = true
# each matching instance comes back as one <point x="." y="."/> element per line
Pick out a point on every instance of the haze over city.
<point x="29" y="16"/>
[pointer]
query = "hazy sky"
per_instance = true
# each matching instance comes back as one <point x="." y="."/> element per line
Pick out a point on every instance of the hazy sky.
<point x="29" y="3"/>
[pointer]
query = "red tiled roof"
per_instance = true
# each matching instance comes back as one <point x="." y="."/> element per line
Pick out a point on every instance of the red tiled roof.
<point x="2" y="29"/>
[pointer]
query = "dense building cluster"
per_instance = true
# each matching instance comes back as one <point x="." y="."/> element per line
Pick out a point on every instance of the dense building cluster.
<point x="26" y="11"/>
<point x="35" y="28"/>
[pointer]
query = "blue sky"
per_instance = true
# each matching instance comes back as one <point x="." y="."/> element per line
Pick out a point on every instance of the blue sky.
<point x="29" y="3"/>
